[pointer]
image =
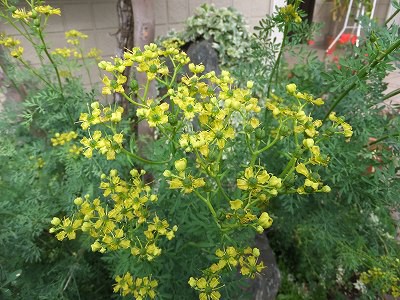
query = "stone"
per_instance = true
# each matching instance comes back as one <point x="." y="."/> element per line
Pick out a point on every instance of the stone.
<point x="202" y="52"/>
<point x="266" y="287"/>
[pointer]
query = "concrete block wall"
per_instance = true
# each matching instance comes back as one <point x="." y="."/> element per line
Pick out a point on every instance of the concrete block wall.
<point x="171" y="14"/>
<point x="96" y="18"/>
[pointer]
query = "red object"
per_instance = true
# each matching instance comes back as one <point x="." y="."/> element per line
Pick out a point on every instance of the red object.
<point x="310" y="42"/>
<point x="347" y="37"/>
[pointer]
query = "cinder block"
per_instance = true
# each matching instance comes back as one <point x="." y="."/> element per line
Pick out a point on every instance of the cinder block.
<point x="106" y="42"/>
<point x="178" y="11"/>
<point x="161" y="30"/>
<point x="105" y="15"/>
<point x="177" y="26"/>
<point x="255" y="8"/>
<point x="381" y="12"/>
<point x="55" y="23"/>
<point x="161" y="15"/>
<point x="77" y="16"/>
<point x="194" y="4"/>
<point x="224" y="3"/>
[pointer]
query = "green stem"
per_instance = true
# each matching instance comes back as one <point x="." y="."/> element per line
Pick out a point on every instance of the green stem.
<point x="13" y="83"/>
<point x="270" y="144"/>
<point x="146" y="91"/>
<point x="362" y="74"/>
<point x="391" y="94"/>
<point x="86" y="67"/>
<point x="392" y="16"/>
<point x="210" y="207"/>
<point x="133" y="102"/>
<point x="288" y="167"/>
<point x="276" y="65"/>
<point x="36" y="73"/>
<point x="381" y="139"/>
<point x="146" y="161"/>
<point x="51" y="61"/>
<point x="221" y="188"/>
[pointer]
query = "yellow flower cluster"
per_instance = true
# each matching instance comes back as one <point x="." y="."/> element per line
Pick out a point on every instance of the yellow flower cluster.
<point x="244" y="215"/>
<point x="46" y="10"/>
<point x="347" y="129"/>
<point x="110" y="224"/>
<point x="60" y="139"/>
<point x="289" y="13"/>
<point x="74" y="37"/>
<point x="140" y="288"/>
<point x="246" y="260"/>
<point x="12" y="44"/>
<point x="74" y="150"/>
<point x="100" y="116"/>
<point x="388" y="280"/>
<point x="8" y="41"/>
<point x="94" y="53"/>
<point x="312" y="182"/>
<point x="207" y="287"/>
<point x="64" y="52"/>
<point x="108" y="145"/>
<point x="255" y="182"/>
<point x="186" y="182"/>
<point x="147" y="61"/>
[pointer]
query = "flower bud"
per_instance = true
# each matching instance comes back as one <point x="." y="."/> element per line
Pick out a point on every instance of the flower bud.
<point x="181" y="164"/>
<point x="167" y="173"/>
<point x="326" y="189"/>
<point x="308" y="143"/>
<point x="256" y="252"/>
<point x="265" y="220"/>
<point x="133" y="84"/>
<point x="78" y="201"/>
<point x="250" y="84"/>
<point x="291" y="88"/>
<point x="55" y="221"/>
<point x="259" y="229"/>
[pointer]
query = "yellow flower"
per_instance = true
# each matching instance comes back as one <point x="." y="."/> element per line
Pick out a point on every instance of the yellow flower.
<point x="155" y="115"/>
<point x="301" y="169"/>
<point x="253" y="181"/>
<point x="47" y="10"/>
<point x="221" y="133"/>
<point x="21" y="14"/>
<point x="186" y="183"/>
<point x="17" y="53"/>
<point x="236" y="204"/>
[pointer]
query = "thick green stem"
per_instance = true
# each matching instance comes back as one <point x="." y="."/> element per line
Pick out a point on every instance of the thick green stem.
<point x="362" y="74"/>
<point x="391" y="94"/>
<point x="392" y="16"/>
